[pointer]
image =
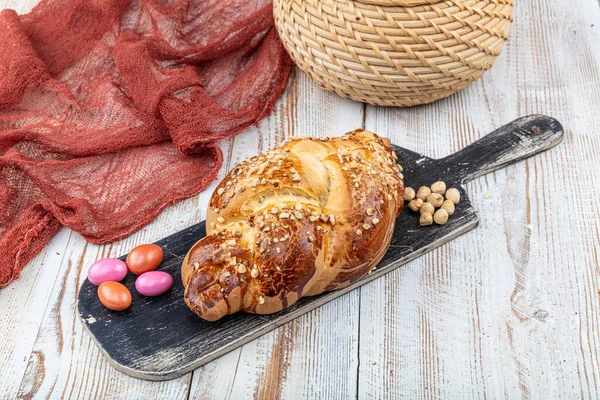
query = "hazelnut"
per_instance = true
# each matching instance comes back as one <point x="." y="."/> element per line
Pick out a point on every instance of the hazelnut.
<point x="439" y="187"/>
<point x="427" y="207"/>
<point x="423" y="192"/>
<point x="448" y="205"/>
<point x="435" y="199"/>
<point x="440" y="217"/>
<point x="426" y="219"/>
<point x="415" y="204"/>
<point x="409" y="194"/>
<point x="453" y="195"/>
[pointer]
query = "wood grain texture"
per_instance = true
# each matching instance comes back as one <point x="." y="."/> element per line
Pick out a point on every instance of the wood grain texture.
<point x="509" y="311"/>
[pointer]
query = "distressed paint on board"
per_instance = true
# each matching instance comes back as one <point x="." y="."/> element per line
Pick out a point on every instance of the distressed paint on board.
<point x="181" y="342"/>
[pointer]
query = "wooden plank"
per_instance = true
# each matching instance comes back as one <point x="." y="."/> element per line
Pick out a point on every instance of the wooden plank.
<point x="23" y="304"/>
<point x="511" y="309"/>
<point x="20" y="6"/>
<point x="277" y="364"/>
<point x="22" y="308"/>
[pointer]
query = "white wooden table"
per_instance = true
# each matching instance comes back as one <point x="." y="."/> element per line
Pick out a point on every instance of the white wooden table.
<point x="509" y="310"/>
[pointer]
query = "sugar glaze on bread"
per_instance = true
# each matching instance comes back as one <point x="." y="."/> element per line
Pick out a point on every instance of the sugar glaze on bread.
<point x="310" y="216"/>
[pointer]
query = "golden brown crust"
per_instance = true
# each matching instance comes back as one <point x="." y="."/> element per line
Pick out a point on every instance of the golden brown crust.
<point x="310" y="216"/>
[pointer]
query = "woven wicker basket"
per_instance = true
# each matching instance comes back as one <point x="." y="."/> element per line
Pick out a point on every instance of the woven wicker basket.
<point x="394" y="52"/>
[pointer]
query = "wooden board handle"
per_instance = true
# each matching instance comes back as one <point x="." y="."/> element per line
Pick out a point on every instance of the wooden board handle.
<point x="522" y="138"/>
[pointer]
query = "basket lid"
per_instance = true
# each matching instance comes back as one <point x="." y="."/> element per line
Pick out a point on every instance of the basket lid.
<point x="402" y="3"/>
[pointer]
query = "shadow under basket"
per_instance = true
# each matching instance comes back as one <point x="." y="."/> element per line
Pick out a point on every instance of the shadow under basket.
<point x="394" y="52"/>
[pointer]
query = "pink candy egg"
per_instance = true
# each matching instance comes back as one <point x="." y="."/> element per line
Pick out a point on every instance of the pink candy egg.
<point x="107" y="269"/>
<point x="153" y="283"/>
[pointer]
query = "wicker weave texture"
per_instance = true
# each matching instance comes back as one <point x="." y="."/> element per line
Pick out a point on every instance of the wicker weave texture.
<point x="393" y="52"/>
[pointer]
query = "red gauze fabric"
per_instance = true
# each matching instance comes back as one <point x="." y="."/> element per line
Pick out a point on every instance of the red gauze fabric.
<point x="110" y="110"/>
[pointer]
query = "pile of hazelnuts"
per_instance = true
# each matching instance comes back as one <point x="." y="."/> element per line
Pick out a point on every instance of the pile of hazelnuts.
<point x="435" y="203"/>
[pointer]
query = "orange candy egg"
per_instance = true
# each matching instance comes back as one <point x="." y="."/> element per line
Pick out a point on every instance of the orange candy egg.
<point x="114" y="296"/>
<point x="144" y="258"/>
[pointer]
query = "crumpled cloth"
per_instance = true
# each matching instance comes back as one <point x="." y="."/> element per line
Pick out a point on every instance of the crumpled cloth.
<point x="110" y="110"/>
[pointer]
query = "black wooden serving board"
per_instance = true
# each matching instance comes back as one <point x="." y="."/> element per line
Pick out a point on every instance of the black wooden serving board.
<point x="160" y="338"/>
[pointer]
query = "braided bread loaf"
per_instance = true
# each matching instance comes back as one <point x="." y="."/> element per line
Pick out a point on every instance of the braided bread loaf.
<point x="310" y="216"/>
